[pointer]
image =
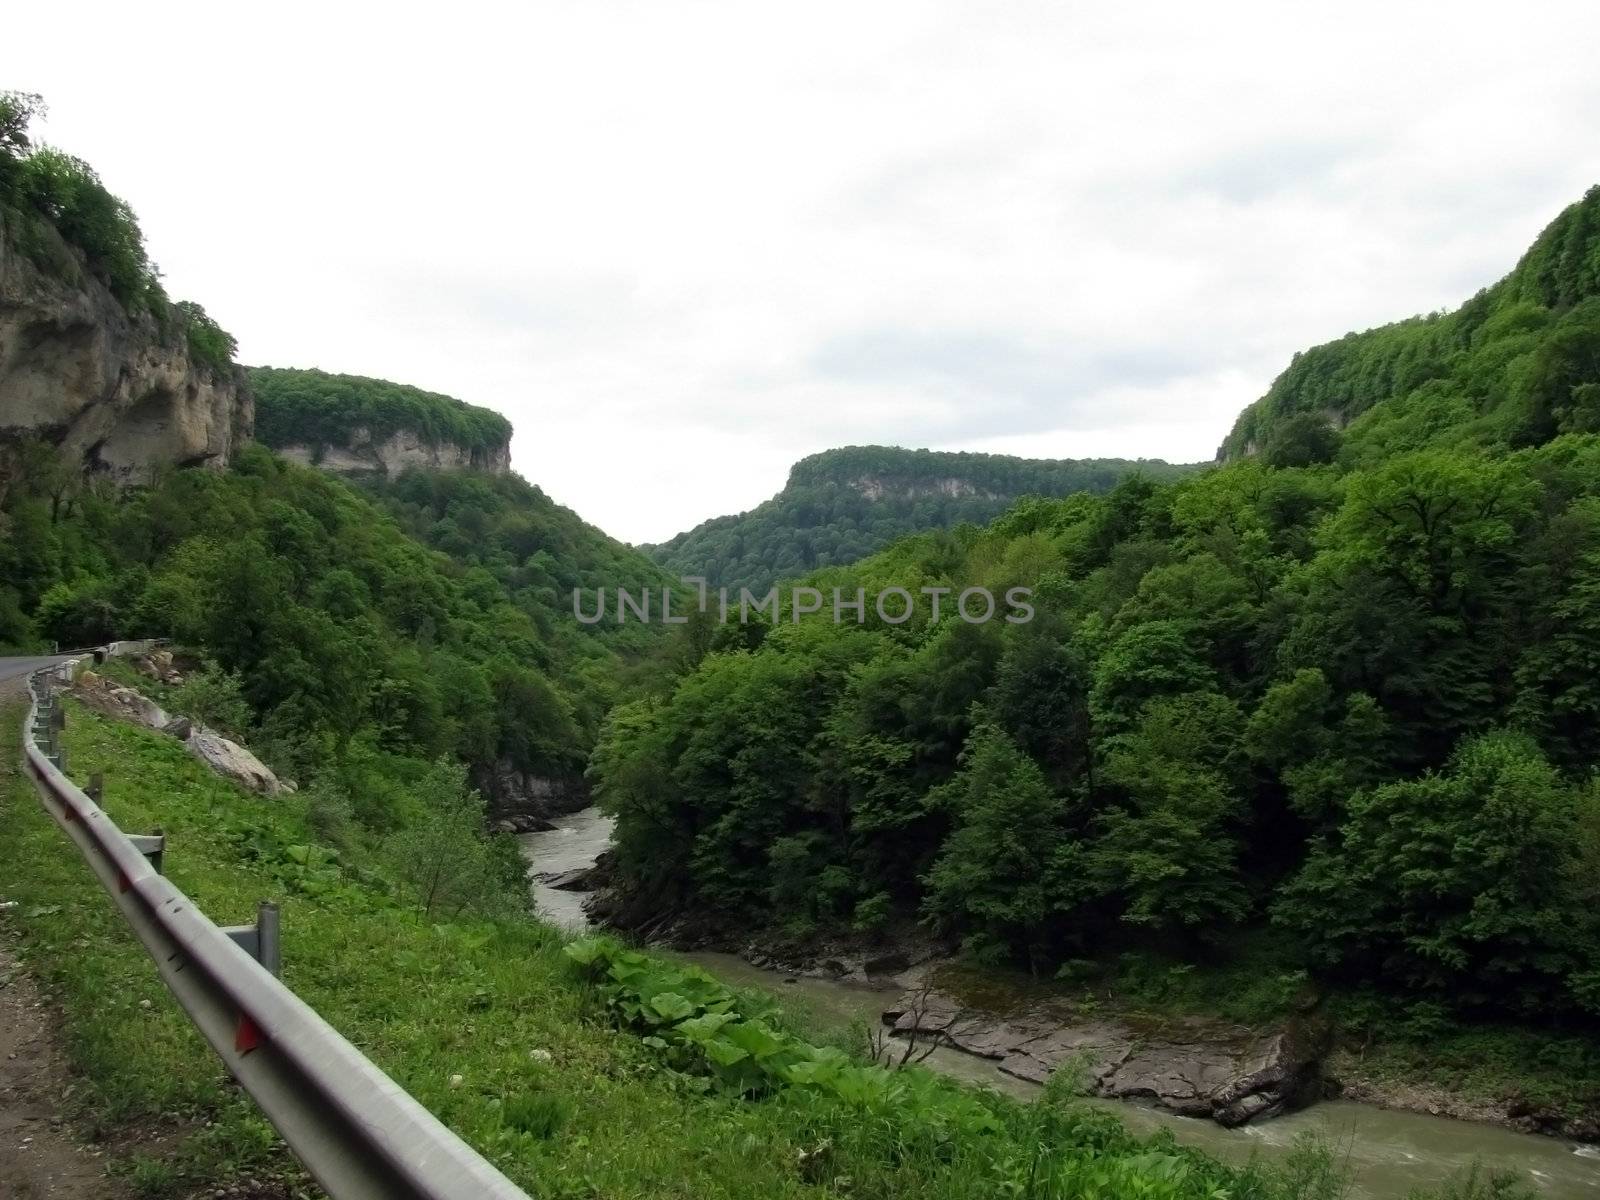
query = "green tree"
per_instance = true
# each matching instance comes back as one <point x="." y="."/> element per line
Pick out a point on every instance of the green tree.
<point x="1458" y="883"/>
<point x="442" y="859"/>
<point x="1168" y="846"/>
<point x="1006" y="874"/>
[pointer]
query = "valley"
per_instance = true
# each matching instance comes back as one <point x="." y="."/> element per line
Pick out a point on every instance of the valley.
<point x="1301" y="739"/>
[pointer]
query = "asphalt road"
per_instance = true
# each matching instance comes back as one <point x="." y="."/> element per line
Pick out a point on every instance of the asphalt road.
<point x="13" y="671"/>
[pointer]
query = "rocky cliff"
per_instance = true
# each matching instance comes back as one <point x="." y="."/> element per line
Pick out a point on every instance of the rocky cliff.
<point x="353" y="425"/>
<point x="118" y="393"/>
<point x="362" y="453"/>
<point x="877" y="488"/>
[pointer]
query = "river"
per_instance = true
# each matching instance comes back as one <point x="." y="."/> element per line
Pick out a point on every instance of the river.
<point x="1388" y="1152"/>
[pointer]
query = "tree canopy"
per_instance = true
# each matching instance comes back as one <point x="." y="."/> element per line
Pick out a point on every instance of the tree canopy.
<point x="1340" y="688"/>
<point x="842" y="505"/>
<point x="310" y="407"/>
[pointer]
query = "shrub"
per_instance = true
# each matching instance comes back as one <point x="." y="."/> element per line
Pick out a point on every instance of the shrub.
<point x="215" y="697"/>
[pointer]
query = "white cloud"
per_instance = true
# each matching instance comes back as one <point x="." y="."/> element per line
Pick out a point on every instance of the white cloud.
<point x="682" y="245"/>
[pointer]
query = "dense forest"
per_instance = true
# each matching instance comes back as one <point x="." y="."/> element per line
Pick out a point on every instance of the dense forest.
<point x="842" y="505"/>
<point x="1339" y="695"/>
<point x="310" y="407"/>
<point x="360" y="653"/>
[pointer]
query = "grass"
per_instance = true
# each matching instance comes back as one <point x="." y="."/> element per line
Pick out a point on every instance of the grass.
<point x="1249" y="982"/>
<point x="549" y="1089"/>
<point x="1548" y="1072"/>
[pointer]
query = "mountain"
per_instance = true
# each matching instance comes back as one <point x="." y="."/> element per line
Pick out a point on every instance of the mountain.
<point x="1513" y="365"/>
<point x="844" y="504"/>
<point x="1325" y="713"/>
<point x="353" y="425"/>
<point x="95" y="360"/>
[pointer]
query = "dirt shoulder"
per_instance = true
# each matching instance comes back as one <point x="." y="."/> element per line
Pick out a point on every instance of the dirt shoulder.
<point x="38" y="1154"/>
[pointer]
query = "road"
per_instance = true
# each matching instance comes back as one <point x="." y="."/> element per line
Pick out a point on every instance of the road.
<point x="14" y="672"/>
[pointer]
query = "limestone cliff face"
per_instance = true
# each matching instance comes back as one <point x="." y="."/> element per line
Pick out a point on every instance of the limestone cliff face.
<point x="876" y="488"/>
<point x="364" y="454"/>
<point x="114" y="392"/>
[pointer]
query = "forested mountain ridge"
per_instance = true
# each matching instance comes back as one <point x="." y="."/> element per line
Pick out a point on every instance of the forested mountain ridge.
<point x="1465" y="374"/>
<point x="841" y="505"/>
<point x="355" y="425"/>
<point x="1338" y="698"/>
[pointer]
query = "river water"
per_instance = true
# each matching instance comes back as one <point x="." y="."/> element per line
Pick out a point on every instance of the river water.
<point x="1388" y="1152"/>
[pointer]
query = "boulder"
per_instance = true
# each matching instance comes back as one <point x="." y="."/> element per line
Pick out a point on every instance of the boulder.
<point x="232" y="760"/>
<point x="157" y="664"/>
<point x="225" y="757"/>
<point x="520" y="823"/>
<point x="123" y="703"/>
<point x="575" y="880"/>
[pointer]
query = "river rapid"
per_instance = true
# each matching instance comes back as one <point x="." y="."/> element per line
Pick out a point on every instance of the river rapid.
<point x="1388" y="1152"/>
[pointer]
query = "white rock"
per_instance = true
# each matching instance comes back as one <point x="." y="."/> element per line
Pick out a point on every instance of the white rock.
<point x="232" y="760"/>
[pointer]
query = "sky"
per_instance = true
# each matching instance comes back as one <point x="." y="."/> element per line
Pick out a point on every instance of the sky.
<point x="683" y="244"/>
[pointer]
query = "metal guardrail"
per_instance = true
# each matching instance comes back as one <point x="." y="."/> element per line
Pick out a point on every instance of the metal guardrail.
<point x="358" y="1132"/>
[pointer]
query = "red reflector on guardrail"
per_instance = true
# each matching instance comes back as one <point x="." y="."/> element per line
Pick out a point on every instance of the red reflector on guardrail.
<point x="247" y="1036"/>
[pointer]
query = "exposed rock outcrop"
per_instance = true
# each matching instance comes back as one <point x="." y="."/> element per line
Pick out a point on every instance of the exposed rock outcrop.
<point x="953" y="487"/>
<point x="518" y="802"/>
<point x="1195" y="1069"/>
<point x="117" y="393"/>
<point x="364" y="454"/>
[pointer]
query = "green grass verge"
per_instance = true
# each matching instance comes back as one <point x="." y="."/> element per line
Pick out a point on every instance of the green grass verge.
<point x="549" y="1090"/>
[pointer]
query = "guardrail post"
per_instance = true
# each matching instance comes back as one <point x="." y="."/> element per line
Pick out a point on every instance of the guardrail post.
<point x="58" y="722"/>
<point x="41" y="718"/>
<point x="152" y="845"/>
<point x="260" y="941"/>
<point x="271" y="955"/>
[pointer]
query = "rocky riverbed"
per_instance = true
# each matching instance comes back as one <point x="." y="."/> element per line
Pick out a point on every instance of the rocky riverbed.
<point x="1194" y="1068"/>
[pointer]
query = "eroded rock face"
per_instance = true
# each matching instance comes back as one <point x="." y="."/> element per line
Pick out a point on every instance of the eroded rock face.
<point x="874" y="488"/>
<point x="364" y="454"/>
<point x="1230" y="1075"/>
<point x="524" y="803"/>
<point x="112" y="392"/>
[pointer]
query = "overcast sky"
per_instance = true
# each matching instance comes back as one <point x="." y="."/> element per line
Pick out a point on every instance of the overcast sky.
<point x="681" y="245"/>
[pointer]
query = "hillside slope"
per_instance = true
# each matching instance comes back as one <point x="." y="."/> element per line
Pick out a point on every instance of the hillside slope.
<point x="1514" y="365"/>
<point x="358" y="652"/>
<point x="841" y="505"/>
<point x="1322" y="716"/>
